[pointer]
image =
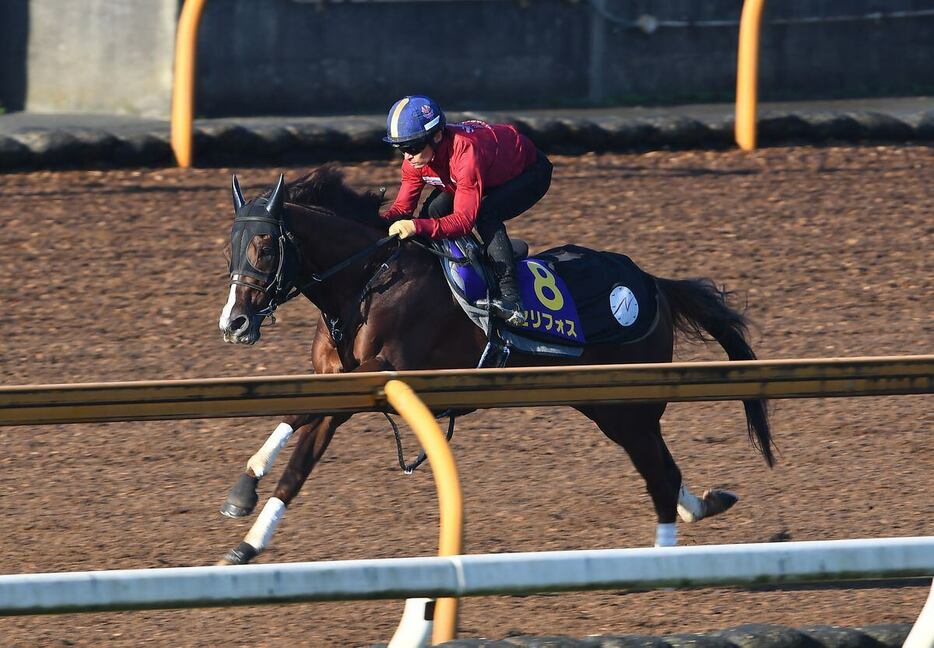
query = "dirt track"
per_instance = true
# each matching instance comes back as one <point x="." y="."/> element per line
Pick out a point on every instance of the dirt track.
<point x="120" y="276"/>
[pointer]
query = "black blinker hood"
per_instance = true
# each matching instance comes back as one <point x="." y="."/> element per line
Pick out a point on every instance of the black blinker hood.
<point x="255" y="218"/>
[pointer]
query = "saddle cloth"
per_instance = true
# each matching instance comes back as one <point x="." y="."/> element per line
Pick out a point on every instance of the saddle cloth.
<point x="574" y="296"/>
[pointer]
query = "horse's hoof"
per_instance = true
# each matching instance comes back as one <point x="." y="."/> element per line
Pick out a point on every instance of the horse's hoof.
<point x="242" y="497"/>
<point x="239" y="555"/>
<point x="234" y="511"/>
<point x="717" y="501"/>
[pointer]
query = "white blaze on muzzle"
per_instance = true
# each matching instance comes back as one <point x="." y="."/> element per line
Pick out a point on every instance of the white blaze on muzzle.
<point x="224" y="320"/>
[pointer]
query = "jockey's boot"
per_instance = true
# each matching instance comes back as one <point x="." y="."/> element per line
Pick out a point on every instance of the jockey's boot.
<point x="508" y="305"/>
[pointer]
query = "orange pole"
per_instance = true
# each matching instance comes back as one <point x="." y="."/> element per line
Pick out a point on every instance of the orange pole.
<point x="450" y="539"/>
<point x="183" y="84"/>
<point x="746" y="73"/>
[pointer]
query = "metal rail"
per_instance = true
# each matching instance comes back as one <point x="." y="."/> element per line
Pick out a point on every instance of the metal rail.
<point x="470" y="575"/>
<point x="469" y="388"/>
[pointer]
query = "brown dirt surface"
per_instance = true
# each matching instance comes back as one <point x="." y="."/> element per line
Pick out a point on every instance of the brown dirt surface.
<point x="119" y="275"/>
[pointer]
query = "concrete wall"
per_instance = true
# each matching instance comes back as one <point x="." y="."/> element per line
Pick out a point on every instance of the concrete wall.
<point x="288" y="57"/>
<point x="108" y="56"/>
<point x="273" y="57"/>
<point x="835" y="59"/>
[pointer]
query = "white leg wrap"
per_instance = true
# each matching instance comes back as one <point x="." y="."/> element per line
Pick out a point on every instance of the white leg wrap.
<point x="666" y="535"/>
<point x="265" y="525"/>
<point x="690" y="506"/>
<point x="260" y="463"/>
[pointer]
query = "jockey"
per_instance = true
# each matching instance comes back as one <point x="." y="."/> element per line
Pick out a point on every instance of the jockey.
<point x="482" y="175"/>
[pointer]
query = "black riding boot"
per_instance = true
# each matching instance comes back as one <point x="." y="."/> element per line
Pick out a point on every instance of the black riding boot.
<point x="508" y="306"/>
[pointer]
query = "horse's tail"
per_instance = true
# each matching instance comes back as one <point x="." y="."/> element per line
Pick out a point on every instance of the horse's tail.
<point x="700" y="311"/>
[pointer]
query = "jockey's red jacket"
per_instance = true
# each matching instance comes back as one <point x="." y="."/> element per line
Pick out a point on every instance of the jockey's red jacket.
<point x="473" y="156"/>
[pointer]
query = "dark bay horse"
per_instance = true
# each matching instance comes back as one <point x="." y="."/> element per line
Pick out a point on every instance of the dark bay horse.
<point x="386" y="306"/>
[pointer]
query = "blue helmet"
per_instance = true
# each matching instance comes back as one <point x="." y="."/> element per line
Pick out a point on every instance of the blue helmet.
<point x="412" y="119"/>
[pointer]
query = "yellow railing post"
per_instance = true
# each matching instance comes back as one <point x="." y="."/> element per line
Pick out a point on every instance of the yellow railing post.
<point x="444" y="471"/>
<point x="183" y="83"/>
<point x="747" y="65"/>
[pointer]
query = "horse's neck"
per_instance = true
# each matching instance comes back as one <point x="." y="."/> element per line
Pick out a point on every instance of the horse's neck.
<point x="326" y="240"/>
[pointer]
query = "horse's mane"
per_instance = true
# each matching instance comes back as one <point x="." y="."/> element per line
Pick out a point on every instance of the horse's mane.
<point x="324" y="187"/>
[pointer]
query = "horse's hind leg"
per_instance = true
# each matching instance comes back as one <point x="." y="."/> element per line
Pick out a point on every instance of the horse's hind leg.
<point x="692" y="508"/>
<point x="313" y="441"/>
<point x="636" y="428"/>
<point x="242" y="498"/>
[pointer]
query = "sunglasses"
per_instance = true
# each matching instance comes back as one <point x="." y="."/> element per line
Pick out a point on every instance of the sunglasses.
<point x="413" y="148"/>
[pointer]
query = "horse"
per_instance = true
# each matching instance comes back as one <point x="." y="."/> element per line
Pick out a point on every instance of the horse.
<point x="386" y="306"/>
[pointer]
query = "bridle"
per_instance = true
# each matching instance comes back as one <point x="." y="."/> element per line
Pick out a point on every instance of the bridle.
<point x="267" y="216"/>
<point x="275" y="284"/>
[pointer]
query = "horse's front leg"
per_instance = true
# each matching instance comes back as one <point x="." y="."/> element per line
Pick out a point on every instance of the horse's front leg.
<point x="312" y="442"/>
<point x="242" y="497"/>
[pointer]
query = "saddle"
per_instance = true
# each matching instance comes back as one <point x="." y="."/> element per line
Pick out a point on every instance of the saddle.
<point x="574" y="297"/>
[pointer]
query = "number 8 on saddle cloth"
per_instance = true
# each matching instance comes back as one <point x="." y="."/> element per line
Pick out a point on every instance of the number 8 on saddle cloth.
<point x="573" y="297"/>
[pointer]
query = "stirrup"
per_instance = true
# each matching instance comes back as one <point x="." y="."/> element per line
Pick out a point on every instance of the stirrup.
<point x="495" y="355"/>
<point x="514" y="315"/>
<point x="509" y="312"/>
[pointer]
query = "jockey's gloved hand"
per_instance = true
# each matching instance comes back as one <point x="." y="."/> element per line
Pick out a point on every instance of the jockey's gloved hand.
<point x="402" y="228"/>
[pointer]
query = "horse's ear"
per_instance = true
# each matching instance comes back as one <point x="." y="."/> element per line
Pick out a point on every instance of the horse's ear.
<point x="237" y="194"/>
<point x="277" y="199"/>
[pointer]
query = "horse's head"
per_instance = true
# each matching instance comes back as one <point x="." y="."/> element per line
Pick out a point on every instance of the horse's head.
<point x="258" y="260"/>
<point x="270" y="262"/>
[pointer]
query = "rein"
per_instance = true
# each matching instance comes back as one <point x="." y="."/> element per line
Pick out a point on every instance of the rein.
<point x="443" y="255"/>
<point x="276" y="285"/>
<point x="319" y="278"/>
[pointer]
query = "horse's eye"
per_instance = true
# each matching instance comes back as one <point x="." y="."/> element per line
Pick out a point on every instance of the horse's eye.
<point x="265" y="252"/>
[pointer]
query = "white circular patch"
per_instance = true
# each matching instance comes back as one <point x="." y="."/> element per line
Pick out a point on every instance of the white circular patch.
<point x="624" y="305"/>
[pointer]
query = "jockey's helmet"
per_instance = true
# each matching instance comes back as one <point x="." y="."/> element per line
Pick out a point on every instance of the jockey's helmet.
<point x="412" y="121"/>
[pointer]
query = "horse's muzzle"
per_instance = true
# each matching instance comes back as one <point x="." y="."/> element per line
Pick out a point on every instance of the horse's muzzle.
<point x="242" y="330"/>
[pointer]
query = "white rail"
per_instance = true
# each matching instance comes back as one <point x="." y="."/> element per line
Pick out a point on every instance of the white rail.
<point x="470" y="575"/>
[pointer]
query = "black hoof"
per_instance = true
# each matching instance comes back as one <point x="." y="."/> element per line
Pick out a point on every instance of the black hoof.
<point x="242" y="497"/>
<point x="718" y="501"/>
<point x="234" y="511"/>
<point x="239" y="555"/>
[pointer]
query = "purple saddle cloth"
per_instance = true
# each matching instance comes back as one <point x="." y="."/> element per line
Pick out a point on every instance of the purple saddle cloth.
<point x="571" y="294"/>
